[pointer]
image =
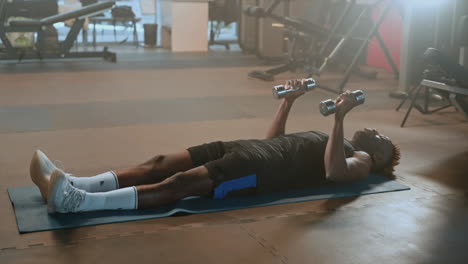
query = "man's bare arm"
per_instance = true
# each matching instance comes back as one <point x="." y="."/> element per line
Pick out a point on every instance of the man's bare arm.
<point x="335" y="159"/>
<point x="338" y="168"/>
<point x="278" y="127"/>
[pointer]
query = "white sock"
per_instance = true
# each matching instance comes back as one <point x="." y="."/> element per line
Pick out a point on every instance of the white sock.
<point x="103" y="182"/>
<point x="121" y="199"/>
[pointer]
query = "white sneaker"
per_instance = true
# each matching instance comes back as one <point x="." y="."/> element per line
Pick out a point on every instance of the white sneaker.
<point x="63" y="197"/>
<point x="40" y="170"/>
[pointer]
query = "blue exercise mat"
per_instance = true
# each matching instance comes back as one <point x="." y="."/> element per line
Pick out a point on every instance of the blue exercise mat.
<point x="31" y="210"/>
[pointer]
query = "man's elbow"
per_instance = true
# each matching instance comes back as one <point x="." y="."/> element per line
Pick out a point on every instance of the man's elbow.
<point x="334" y="176"/>
<point x="340" y="176"/>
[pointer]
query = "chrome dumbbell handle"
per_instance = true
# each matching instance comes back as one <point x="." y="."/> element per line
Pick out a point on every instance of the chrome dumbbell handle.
<point x="328" y="107"/>
<point x="280" y="91"/>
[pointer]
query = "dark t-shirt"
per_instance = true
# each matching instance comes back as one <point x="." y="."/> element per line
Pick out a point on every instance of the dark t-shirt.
<point x="287" y="161"/>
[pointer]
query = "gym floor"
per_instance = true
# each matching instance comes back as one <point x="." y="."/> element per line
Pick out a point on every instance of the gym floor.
<point x="95" y="116"/>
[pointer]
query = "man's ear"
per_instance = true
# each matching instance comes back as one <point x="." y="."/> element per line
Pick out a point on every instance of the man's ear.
<point x="378" y="158"/>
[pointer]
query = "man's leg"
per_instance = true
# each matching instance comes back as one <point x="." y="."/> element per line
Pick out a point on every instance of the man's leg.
<point x="194" y="182"/>
<point x="65" y="198"/>
<point x="154" y="170"/>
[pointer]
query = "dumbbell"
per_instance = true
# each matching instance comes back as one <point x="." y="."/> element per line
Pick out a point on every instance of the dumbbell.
<point x="328" y="107"/>
<point x="280" y="91"/>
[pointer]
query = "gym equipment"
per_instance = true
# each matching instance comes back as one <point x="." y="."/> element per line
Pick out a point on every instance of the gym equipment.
<point x="44" y="48"/>
<point x="450" y="68"/>
<point x="318" y="40"/>
<point x="31" y="210"/>
<point x="374" y="32"/>
<point x="31" y="8"/>
<point x="328" y="107"/>
<point x="300" y="32"/>
<point x="280" y="91"/>
<point x="442" y="18"/>
<point x="443" y="76"/>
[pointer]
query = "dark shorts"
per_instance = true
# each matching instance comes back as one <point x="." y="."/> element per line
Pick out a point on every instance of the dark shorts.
<point x="232" y="173"/>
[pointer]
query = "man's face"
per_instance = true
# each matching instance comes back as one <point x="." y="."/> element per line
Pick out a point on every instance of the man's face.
<point x="371" y="141"/>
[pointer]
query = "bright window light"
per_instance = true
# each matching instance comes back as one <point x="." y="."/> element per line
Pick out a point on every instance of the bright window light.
<point x="422" y="3"/>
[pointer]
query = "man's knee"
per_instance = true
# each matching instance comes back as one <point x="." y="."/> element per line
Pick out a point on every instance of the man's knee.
<point x="178" y="185"/>
<point x="191" y="183"/>
<point x="169" y="164"/>
<point x="155" y="164"/>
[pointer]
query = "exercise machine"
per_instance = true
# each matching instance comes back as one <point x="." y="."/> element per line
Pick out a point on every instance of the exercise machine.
<point x="317" y="39"/>
<point x="302" y="38"/>
<point x="42" y="48"/>
<point x="442" y="77"/>
<point x="446" y="77"/>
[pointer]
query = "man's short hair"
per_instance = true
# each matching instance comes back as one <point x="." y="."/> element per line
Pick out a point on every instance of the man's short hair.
<point x="389" y="168"/>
